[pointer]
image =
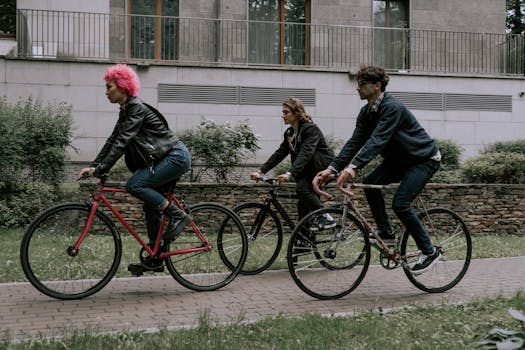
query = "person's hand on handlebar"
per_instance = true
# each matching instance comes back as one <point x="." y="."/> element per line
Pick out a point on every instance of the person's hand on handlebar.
<point x="283" y="177"/>
<point x="346" y="176"/>
<point x="86" y="172"/>
<point x="256" y="175"/>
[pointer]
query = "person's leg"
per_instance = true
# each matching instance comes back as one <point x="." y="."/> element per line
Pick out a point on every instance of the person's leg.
<point x="412" y="183"/>
<point x="307" y="199"/>
<point x="153" y="216"/>
<point x="149" y="186"/>
<point x="382" y="175"/>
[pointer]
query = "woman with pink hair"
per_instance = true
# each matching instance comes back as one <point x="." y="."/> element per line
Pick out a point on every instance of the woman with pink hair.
<point x="152" y="153"/>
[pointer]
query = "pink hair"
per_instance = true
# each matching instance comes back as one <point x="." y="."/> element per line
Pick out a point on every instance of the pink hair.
<point x="124" y="77"/>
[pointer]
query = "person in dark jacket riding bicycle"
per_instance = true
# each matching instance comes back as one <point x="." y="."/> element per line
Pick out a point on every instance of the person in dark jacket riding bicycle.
<point x="152" y="153"/>
<point x="309" y="153"/>
<point x="410" y="156"/>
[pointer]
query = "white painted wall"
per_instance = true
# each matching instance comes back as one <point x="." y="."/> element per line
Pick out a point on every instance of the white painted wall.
<point x="81" y="85"/>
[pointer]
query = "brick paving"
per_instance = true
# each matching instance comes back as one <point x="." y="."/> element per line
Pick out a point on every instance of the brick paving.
<point x="152" y="302"/>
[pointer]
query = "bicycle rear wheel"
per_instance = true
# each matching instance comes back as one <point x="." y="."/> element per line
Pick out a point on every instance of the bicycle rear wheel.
<point x="209" y="269"/>
<point x="50" y="266"/>
<point x="265" y="236"/>
<point x="331" y="263"/>
<point x="450" y="235"/>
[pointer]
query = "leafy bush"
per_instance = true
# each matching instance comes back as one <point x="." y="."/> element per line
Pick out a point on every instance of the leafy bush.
<point x="450" y="154"/>
<point x="218" y="148"/>
<point x="517" y="146"/>
<point x="497" y="167"/>
<point x="21" y="207"/>
<point x="34" y="141"/>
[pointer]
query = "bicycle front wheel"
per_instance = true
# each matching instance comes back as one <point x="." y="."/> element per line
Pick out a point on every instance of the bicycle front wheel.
<point x="331" y="263"/>
<point x="450" y="235"/>
<point x="265" y="236"/>
<point x="211" y="269"/>
<point x="47" y="260"/>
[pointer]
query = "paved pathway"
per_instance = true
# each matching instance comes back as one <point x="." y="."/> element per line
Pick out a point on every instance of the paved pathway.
<point x="147" y="303"/>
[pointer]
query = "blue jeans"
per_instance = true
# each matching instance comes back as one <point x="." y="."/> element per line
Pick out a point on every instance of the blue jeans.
<point x="150" y="186"/>
<point x="412" y="181"/>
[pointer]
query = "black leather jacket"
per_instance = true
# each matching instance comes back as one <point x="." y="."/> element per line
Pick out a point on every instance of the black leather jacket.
<point x="140" y="134"/>
<point x="309" y="152"/>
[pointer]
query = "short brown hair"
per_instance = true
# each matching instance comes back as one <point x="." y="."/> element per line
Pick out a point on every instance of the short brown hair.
<point x="373" y="74"/>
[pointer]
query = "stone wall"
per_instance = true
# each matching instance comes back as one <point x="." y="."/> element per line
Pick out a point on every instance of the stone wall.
<point x="486" y="208"/>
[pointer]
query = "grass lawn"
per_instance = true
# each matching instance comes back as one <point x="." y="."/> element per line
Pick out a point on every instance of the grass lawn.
<point x="423" y="327"/>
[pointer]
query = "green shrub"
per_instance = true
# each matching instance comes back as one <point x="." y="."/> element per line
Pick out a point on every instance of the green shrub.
<point x="33" y="143"/>
<point x="218" y="148"/>
<point x="450" y="154"/>
<point x="517" y="146"/>
<point x="497" y="167"/>
<point x="22" y="207"/>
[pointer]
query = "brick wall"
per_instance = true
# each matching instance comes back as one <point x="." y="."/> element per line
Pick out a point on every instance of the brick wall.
<point x="486" y="208"/>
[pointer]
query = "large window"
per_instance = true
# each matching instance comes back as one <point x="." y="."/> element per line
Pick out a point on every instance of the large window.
<point x="153" y="29"/>
<point x="278" y="31"/>
<point x="391" y="36"/>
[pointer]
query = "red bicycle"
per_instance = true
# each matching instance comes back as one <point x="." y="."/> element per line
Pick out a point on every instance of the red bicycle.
<point x="73" y="250"/>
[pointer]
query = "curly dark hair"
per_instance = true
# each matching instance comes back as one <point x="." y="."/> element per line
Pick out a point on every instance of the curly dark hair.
<point x="373" y="74"/>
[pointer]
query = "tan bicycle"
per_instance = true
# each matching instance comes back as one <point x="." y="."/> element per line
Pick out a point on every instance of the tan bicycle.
<point x="330" y="264"/>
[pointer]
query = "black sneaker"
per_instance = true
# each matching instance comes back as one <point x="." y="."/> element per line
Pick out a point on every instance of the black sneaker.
<point x="426" y="262"/>
<point x="323" y="222"/>
<point x="175" y="226"/>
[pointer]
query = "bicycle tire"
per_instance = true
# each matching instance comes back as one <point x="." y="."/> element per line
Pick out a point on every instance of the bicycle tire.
<point x="217" y="267"/>
<point x="329" y="264"/>
<point x="450" y="235"/>
<point x="52" y="270"/>
<point x="264" y="245"/>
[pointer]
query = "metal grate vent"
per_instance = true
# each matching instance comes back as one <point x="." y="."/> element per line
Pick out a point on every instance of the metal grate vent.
<point x="198" y="94"/>
<point x="421" y="100"/>
<point x="274" y="96"/>
<point x="458" y="102"/>
<point x="467" y="102"/>
<point x="242" y="95"/>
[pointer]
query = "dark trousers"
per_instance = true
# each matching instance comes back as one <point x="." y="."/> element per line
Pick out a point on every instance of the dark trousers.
<point x="412" y="181"/>
<point x="151" y="186"/>
<point x="308" y="200"/>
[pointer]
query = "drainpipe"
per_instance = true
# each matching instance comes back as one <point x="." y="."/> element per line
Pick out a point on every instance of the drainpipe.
<point x="217" y="30"/>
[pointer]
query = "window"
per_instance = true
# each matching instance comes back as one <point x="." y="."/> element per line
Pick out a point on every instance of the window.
<point x="153" y="29"/>
<point x="7" y="18"/>
<point x="278" y="31"/>
<point x="391" y="45"/>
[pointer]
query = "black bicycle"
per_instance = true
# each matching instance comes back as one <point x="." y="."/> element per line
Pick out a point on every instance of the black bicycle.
<point x="264" y="228"/>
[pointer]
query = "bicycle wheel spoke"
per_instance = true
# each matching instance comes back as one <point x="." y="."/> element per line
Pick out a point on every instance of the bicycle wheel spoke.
<point x="450" y="235"/>
<point x="214" y="268"/>
<point x="265" y="236"/>
<point x="52" y="270"/>
<point x="331" y="263"/>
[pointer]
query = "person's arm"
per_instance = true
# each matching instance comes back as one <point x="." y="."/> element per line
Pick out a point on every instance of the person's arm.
<point x="127" y="130"/>
<point x="277" y="156"/>
<point x="389" y="122"/>
<point x="353" y="145"/>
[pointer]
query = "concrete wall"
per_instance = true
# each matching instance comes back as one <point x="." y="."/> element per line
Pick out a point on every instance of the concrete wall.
<point x="337" y="102"/>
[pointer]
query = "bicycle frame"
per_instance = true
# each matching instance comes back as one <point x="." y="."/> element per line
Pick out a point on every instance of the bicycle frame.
<point x="349" y="204"/>
<point x="100" y="197"/>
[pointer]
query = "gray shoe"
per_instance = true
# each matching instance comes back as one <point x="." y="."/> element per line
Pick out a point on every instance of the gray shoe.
<point x="426" y="262"/>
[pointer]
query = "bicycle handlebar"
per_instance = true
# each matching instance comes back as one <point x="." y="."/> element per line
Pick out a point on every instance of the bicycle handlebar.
<point x="345" y="189"/>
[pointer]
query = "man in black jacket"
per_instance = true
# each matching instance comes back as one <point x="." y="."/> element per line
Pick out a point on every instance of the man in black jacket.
<point x="410" y="156"/>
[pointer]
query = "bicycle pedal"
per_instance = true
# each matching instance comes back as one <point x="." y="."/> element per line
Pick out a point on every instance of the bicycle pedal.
<point x="136" y="270"/>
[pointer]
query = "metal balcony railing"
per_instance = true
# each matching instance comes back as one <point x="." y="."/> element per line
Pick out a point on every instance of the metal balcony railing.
<point x="132" y="38"/>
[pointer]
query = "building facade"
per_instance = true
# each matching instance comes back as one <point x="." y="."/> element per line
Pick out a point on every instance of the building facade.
<point x="234" y="60"/>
